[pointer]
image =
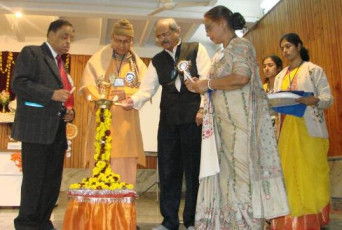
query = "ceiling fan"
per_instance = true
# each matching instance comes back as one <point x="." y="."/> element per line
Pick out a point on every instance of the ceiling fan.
<point x="170" y="5"/>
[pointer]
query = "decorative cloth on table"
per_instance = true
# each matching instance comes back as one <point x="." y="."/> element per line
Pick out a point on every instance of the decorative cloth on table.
<point x="69" y="104"/>
<point x="100" y="209"/>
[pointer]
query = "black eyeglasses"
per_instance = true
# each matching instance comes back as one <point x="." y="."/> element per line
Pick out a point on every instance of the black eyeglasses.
<point x="163" y="35"/>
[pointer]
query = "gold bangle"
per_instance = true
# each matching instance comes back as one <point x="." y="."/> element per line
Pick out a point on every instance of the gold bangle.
<point x="317" y="103"/>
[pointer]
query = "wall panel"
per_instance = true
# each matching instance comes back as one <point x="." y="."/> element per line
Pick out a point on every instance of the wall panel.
<point x="78" y="63"/>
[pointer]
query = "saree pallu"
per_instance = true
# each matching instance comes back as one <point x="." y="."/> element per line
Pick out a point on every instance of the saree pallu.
<point x="306" y="174"/>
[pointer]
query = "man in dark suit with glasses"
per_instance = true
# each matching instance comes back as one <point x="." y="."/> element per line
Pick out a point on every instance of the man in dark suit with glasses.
<point x="44" y="106"/>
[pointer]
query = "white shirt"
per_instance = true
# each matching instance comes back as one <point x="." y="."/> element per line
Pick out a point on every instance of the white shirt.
<point x="54" y="54"/>
<point x="150" y="82"/>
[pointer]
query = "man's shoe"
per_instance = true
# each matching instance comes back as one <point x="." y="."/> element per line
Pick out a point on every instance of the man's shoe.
<point x="160" y="227"/>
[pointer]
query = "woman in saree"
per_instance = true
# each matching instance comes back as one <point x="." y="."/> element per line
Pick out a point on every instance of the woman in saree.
<point x="240" y="176"/>
<point x="303" y="141"/>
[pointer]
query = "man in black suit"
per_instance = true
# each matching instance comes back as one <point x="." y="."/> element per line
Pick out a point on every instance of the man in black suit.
<point x="43" y="109"/>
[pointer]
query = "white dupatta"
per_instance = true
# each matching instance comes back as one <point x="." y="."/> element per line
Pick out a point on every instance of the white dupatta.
<point x="209" y="159"/>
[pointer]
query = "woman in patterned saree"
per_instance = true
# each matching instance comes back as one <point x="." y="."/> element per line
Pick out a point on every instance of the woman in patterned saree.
<point x="240" y="178"/>
<point x="303" y="141"/>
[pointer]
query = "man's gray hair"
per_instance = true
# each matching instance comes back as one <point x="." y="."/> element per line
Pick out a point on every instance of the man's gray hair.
<point x="172" y="23"/>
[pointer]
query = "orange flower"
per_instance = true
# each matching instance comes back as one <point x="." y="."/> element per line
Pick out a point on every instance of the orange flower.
<point x="16" y="158"/>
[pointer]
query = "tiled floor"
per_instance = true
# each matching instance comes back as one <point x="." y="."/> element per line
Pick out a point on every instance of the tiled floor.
<point x="147" y="213"/>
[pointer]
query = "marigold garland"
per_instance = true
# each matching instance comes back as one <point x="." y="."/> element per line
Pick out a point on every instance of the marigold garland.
<point x="67" y="62"/>
<point x="7" y="69"/>
<point x="103" y="177"/>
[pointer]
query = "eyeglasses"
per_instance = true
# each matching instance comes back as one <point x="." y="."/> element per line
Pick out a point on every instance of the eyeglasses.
<point x="123" y="42"/>
<point x="163" y="35"/>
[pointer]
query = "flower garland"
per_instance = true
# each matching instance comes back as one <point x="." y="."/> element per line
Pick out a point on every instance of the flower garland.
<point x="67" y="62"/>
<point x="103" y="177"/>
<point x="133" y="66"/>
<point x="7" y="69"/>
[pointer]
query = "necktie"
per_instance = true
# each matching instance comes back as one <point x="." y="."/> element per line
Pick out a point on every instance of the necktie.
<point x="69" y="104"/>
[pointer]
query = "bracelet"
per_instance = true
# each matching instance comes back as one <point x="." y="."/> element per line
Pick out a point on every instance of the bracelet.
<point x="209" y="85"/>
<point x="317" y="103"/>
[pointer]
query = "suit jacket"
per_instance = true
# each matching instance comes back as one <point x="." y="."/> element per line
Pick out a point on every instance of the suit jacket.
<point x="35" y="78"/>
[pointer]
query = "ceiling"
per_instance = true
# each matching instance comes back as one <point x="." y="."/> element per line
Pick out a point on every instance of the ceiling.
<point x="93" y="19"/>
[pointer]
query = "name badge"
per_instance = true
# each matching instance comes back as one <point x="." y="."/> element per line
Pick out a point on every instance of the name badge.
<point x="119" y="82"/>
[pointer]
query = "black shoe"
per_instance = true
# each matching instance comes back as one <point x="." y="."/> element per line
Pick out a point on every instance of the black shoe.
<point x="138" y="228"/>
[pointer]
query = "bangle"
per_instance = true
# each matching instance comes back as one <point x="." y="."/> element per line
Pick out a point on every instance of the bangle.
<point x="209" y="85"/>
<point x="317" y="103"/>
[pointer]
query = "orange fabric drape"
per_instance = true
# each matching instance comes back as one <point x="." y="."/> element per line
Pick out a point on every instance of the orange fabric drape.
<point x="100" y="215"/>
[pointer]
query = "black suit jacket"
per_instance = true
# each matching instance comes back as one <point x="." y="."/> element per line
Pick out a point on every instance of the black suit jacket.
<point x="35" y="78"/>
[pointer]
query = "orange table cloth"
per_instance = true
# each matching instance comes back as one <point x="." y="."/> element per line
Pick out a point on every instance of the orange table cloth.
<point x="100" y="212"/>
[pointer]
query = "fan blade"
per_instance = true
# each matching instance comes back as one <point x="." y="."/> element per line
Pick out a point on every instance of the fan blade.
<point x="192" y="4"/>
<point x="157" y="11"/>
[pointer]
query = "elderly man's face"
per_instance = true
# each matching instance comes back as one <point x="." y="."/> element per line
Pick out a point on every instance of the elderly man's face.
<point x="121" y="44"/>
<point x="166" y="37"/>
<point x="60" y="40"/>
